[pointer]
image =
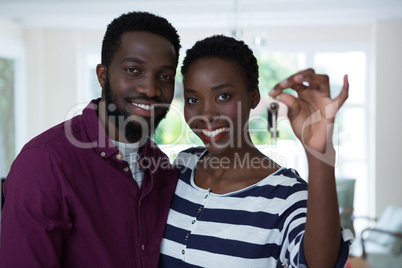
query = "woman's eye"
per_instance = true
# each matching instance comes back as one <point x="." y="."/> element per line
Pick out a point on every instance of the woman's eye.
<point x="223" y="96"/>
<point x="166" y="77"/>
<point x="192" y="100"/>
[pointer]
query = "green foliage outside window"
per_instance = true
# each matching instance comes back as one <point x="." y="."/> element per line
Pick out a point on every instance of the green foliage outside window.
<point x="273" y="68"/>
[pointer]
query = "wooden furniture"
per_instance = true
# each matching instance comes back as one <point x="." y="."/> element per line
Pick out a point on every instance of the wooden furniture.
<point x="357" y="262"/>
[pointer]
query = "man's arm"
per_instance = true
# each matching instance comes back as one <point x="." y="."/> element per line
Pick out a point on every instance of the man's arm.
<point x="35" y="219"/>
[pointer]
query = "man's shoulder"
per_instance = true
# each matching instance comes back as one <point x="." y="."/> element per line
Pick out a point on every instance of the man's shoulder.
<point x="70" y="132"/>
<point x="56" y="135"/>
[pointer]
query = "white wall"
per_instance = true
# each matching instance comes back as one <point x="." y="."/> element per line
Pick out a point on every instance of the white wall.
<point x="289" y="35"/>
<point x="53" y="60"/>
<point x="388" y="117"/>
<point x="53" y="72"/>
<point x="10" y="30"/>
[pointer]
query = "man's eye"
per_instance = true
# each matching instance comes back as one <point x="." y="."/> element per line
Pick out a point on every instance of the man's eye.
<point x="192" y="100"/>
<point x="132" y="70"/>
<point x="223" y="96"/>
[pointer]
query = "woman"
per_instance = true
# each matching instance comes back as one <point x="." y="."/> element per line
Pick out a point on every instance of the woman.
<point x="235" y="207"/>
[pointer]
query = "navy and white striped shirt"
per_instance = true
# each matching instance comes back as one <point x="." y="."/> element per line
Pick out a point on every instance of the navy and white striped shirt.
<point x="259" y="226"/>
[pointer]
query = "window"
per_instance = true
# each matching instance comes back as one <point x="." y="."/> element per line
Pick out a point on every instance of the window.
<point x="7" y="119"/>
<point x="351" y="136"/>
<point x="91" y="84"/>
<point x="12" y="123"/>
<point x="351" y="133"/>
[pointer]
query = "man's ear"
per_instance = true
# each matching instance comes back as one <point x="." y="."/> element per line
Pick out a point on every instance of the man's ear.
<point x="101" y="73"/>
<point x="254" y="98"/>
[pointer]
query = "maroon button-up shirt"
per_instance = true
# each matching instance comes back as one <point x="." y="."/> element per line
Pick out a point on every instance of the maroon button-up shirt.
<point x="71" y="201"/>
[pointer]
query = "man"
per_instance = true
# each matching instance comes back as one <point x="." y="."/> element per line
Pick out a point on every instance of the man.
<point x="95" y="191"/>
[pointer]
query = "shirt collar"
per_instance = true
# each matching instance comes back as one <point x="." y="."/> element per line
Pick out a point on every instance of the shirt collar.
<point x="96" y="131"/>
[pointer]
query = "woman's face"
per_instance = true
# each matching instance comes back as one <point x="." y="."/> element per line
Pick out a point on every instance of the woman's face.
<point x="218" y="102"/>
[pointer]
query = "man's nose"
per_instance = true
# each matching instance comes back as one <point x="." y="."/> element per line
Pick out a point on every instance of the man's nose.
<point x="149" y="87"/>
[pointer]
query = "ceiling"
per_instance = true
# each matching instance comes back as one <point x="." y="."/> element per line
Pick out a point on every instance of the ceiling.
<point x="96" y="14"/>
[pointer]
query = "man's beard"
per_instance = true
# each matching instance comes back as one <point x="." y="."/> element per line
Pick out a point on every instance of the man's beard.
<point x="131" y="128"/>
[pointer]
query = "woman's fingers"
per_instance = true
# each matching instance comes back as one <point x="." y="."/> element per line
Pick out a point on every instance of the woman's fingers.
<point x="289" y="100"/>
<point x="314" y="81"/>
<point x="295" y="82"/>
<point x="306" y="80"/>
<point x="344" y="92"/>
<point x="336" y="103"/>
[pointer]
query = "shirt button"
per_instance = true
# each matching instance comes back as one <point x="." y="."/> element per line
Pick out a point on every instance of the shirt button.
<point x="103" y="154"/>
<point x="187" y="236"/>
<point x="206" y="196"/>
<point x="193" y="222"/>
<point x="118" y="156"/>
<point x="126" y="169"/>
<point x="143" y="247"/>
<point x="200" y="209"/>
<point x="182" y="252"/>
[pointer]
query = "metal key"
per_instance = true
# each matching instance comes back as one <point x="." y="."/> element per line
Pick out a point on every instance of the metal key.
<point x="273" y="120"/>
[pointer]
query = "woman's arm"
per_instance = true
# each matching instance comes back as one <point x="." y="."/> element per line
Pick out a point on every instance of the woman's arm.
<point x="312" y="113"/>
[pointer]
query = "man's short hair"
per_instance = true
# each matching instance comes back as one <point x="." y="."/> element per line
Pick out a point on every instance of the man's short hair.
<point x="135" y="22"/>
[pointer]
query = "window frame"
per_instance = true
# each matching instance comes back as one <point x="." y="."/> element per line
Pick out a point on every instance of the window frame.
<point x="364" y="202"/>
<point x="13" y="49"/>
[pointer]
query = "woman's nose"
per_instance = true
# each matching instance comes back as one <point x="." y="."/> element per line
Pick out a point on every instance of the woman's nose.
<point x="208" y="112"/>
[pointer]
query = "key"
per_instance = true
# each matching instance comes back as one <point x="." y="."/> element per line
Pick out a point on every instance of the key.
<point x="273" y="120"/>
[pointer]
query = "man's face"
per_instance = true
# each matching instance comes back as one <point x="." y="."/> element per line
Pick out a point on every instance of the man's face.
<point x="138" y="86"/>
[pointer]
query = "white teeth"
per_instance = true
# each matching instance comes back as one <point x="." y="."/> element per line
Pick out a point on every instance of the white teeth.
<point x="213" y="133"/>
<point x="143" y="106"/>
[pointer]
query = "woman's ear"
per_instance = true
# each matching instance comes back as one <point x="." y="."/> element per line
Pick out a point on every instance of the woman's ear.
<point x="254" y="98"/>
<point x="101" y="73"/>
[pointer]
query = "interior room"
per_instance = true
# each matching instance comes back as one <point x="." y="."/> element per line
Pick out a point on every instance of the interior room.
<point x="49" y="50"/>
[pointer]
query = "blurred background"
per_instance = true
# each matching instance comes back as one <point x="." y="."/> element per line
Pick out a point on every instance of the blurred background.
<point x="49" y="51"/>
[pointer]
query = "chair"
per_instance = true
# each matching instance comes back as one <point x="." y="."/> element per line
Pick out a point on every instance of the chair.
<point x="345" y="188"/>
<point x="382" y="242"/>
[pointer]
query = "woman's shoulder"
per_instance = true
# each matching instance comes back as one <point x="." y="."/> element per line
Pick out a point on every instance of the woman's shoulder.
<point x="288" y="172"/>
<point x="287" y="179"/>
<point x="198" y="150"/>
<point x="189" y="157"/>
